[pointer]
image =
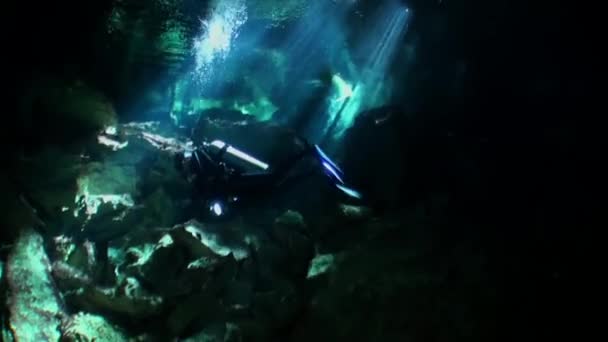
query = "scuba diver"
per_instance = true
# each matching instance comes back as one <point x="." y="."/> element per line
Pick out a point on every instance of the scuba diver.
<point x="224" y="177"/>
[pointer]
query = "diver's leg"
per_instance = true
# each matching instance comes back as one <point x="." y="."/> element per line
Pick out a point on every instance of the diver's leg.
<point x="285" y="166"/>
<point x="291" y="180"/>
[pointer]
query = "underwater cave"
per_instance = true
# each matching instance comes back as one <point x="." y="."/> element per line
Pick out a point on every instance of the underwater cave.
<point x="293" y="170"/>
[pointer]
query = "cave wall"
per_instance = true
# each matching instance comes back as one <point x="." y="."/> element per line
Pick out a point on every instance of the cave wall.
<point x="487" y="109"/>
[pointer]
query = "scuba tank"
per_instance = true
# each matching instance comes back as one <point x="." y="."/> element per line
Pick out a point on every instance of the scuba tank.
<point x="234" y="157"/>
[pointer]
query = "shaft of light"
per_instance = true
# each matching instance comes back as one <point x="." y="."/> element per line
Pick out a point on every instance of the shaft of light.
<point x="391" y="25"/>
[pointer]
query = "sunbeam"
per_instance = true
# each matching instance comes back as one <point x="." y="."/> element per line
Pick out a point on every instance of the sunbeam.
<point x="311" y="75"/>
<point x="387" y="30"/>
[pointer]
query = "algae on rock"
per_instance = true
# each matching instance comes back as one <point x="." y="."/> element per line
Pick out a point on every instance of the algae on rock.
<point x="88" y="327"/>
<point x="34" y="303"/>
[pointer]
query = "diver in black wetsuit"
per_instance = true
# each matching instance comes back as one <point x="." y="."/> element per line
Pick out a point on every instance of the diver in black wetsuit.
<point x="224" y="177"/>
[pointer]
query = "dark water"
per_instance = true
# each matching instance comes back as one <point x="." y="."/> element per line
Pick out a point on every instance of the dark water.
<point x="464" y="145"/>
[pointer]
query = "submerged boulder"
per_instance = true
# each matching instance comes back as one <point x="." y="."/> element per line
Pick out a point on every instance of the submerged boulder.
<point x="85" y="285"/>
<point x="290" y="232"/>
<point x="223" y="239"/>
<point x="108" y="178"/>
<point x="129" y="189"/>
<point x="320" y="264"/>
<point x="85" y="327"/>
<point x="5" y="333"/>
<point x="178" y="264"/>
<point x="127" y="301"/>
<point x="35" y="306"/>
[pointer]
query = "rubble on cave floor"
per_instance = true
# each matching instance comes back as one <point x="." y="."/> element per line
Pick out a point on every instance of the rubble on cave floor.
<point x="165" y="282"/>
<point x="116" y="262"/>
<point x="122" y="261"/>
<point x="36" y="307"/>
